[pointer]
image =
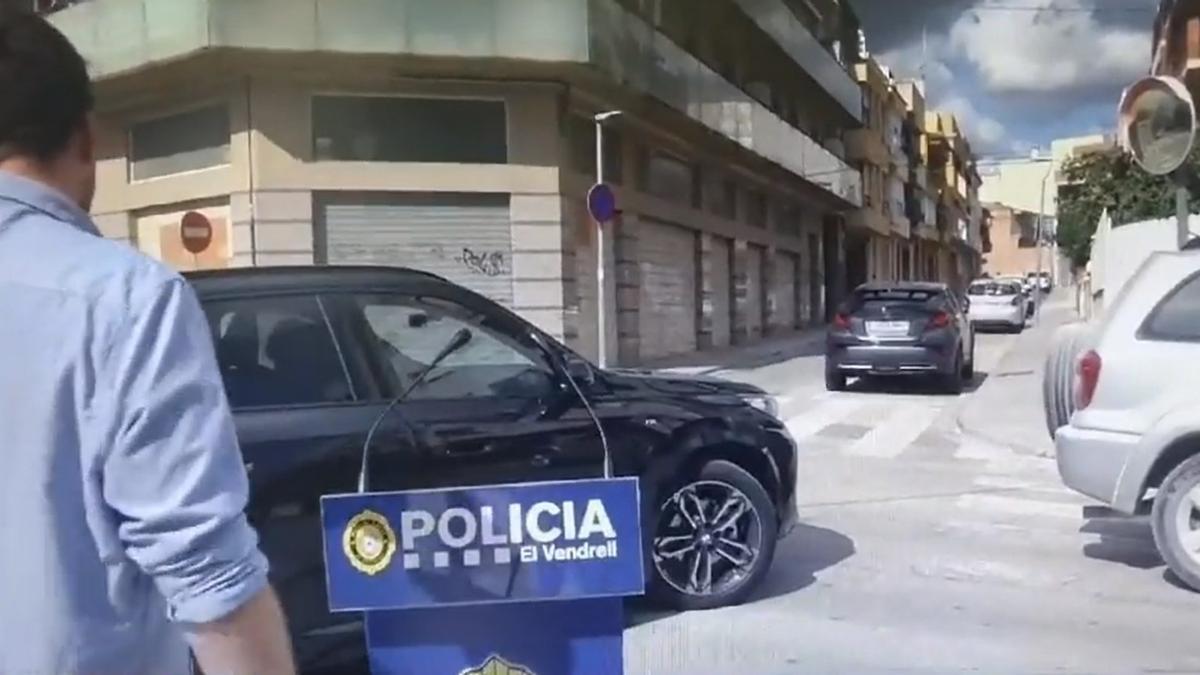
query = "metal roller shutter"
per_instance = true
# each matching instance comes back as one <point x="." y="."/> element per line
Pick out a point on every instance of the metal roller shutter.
<point x="783" y="291"/>
<point x="721" y="297"/>
<point x="754" y="291"/>
<point x="666" y="257"/>
<point x="466" y="238"/>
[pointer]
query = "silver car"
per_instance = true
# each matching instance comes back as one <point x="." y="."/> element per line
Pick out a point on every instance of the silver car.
<point x="1133" y="437"/>
<point x="996" y="303"/>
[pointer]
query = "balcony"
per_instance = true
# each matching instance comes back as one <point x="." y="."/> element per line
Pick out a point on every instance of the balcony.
<point x="777" y="20"/>
<point x="870" y="219"/>
<point x="867" y="145"/>
<point x="598" y="33"/>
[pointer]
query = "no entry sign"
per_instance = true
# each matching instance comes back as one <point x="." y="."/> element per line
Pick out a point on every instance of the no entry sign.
<point x="196" y="232"/>
<point x="601" y="203"/>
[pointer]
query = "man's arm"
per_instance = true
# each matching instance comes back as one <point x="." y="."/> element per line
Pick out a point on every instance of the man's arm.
<point x="174" y="475"/>
<point x="252" y="640"/>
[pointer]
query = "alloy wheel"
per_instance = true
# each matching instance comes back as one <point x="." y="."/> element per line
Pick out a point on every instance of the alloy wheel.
<point x="708" y="538"/>
<point x="1187" y="523"/>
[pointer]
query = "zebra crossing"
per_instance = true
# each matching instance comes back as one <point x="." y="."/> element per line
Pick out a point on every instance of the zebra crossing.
<point x="1001" y="486"/>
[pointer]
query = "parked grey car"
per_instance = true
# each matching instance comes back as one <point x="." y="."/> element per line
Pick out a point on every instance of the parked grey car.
<point x="901" y="329"/>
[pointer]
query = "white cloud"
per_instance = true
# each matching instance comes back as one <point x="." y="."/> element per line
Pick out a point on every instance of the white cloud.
<point x="986" y="134"/>
<point x="1048" y="51"/>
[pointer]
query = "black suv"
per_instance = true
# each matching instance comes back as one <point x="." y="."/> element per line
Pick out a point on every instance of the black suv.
<point x="311" y="356"/>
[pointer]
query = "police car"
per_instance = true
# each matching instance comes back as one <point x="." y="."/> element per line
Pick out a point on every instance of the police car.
<point x="312" y="355"/>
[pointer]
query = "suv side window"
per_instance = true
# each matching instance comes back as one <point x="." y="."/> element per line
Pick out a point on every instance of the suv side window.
<point x="277" y="352"/>
<point x="408" y="332"/>
<point x="1177" y="317"/>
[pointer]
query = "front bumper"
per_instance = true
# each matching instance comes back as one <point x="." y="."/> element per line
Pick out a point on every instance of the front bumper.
<point x="885" y="359"/>
<point x="1092" y="462"/>
<point x="783" y="454"/>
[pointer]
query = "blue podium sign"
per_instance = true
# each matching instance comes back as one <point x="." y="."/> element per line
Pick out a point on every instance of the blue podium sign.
<point x="528" y="575"/>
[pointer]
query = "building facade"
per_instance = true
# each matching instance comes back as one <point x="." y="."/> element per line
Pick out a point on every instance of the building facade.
<point x="458" y="137"/>
<point x="1012" y="239"/>
<point x="875" y="150"/>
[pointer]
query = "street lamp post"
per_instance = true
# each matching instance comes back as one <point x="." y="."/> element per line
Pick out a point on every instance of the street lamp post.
<point x="601" y="229"/>
<point x="1037" y="298"/>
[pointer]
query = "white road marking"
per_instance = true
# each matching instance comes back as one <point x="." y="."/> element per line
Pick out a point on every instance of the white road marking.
<point x="901" y="427"/>
<point x="828" y="412"/>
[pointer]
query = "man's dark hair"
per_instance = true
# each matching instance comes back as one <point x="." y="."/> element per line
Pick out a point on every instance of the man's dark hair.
<point x="45" y="93"/>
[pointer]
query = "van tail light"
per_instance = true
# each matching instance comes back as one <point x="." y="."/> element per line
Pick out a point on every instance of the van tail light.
<point x="1017" y="300"/>
<point x="841" y="322"/>
<point x="1087" y="371"/>
<point x="939" y="320"/>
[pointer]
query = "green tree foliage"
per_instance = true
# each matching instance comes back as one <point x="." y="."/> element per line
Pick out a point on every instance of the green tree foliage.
<point x="1110" y="180"/>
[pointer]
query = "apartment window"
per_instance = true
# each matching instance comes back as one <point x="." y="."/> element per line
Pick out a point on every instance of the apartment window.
<point x="790" y="218"/>
<point x="581" y="146"/>
<point x="187" y="141"/>
<point x="756" y="208"/>
<point x="406" y="129"/>
<point x="720" y="195"/>
<point x="668" y="177"/>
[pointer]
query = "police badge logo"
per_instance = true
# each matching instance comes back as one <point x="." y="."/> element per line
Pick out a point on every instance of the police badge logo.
<point x="369" y="542"/>
<point x="497" y="666"/>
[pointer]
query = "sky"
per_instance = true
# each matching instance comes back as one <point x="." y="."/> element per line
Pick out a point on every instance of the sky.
<point x="1017" y="73"/>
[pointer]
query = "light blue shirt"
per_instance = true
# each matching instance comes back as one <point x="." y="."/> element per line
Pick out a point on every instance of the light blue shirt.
<point x="122" y="487"/>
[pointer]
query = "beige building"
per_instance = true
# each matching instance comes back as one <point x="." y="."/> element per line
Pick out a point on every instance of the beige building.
<point x="462" y="142"/>
<point x="1012" y="249"/>
<point x="877" y="234"/>
<point x="1018" y="182"/>
<point x="954" y="182"/>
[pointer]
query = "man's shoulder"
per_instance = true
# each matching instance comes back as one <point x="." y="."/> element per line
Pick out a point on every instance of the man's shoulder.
<point x="63" y="258"/>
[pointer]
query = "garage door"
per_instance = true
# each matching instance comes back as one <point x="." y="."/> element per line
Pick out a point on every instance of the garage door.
<point x="667" y="261"/>
<point x="754" y="291"/>
<point x="466" y="238"/>
<point x="719" y="291"/>
<point x="783" y="291"/>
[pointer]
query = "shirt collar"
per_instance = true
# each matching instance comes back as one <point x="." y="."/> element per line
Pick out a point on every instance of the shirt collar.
<point x="45" y="199"/>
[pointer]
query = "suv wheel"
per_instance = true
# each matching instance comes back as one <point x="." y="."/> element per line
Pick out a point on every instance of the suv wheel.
<point x="1176" y="521"/>
<point x="968" y="369"/>
<point x="714" y="539"/>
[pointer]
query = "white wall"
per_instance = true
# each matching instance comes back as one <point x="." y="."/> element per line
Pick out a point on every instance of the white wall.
<point x="1117" y="252"/>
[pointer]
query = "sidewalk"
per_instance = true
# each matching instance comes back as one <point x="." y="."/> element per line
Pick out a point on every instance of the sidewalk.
<point x="744" y="357"/>
<point x="1007" y="408"/>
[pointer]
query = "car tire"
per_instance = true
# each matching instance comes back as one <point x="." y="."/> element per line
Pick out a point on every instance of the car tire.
<point x="667" y="589"/>
<point x="952" y="382"/>
<point x="834" y="381"/>
<point x="968" y="369"/>
<point x="1058" y="376"/>
<point x="1174" y="510"/>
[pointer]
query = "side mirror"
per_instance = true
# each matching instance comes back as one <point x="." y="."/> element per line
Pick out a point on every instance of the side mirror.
<point x="580" y="370"/>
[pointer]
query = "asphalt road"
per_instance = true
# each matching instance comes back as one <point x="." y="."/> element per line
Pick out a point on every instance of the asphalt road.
<point x="927" y="547"/>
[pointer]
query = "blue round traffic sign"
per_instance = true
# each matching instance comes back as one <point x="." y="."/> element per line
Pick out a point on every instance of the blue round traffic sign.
<point x="601" y="203"/>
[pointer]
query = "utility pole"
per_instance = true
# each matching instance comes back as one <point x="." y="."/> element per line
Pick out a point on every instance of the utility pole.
<point x="1182" y="194"/>
<point x="601" y="230"/>
<point x="1038" y="248"/>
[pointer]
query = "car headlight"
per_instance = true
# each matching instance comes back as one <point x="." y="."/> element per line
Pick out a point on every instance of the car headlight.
<point x="763" y="402"/>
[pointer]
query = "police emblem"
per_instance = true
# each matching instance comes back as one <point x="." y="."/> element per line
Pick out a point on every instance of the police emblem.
<point x="369" y="542"/>
<point x="497" y="666"/>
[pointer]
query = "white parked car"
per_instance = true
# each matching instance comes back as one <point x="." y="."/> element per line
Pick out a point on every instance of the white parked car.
<point x="1133" y="438"/>
<point x="997" y="304"/>
<point x="1026" y="289"/>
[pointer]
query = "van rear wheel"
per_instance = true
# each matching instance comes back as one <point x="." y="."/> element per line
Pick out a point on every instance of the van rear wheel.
<point x="1176" y="521"/>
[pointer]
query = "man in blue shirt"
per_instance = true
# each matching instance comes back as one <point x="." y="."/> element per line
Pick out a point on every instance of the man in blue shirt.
<point x="122" y="489"/>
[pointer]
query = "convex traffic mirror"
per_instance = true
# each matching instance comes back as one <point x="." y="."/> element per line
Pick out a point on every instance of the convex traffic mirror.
<point x="1157" y="123"/>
